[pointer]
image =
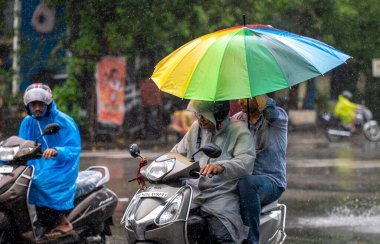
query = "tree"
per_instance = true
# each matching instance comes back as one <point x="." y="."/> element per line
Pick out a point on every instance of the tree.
<point x="145" y="31"/>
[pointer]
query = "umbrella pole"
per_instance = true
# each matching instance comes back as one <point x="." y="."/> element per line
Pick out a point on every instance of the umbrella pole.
<point x="248" y="118"/>
<point x="244" y="19"/>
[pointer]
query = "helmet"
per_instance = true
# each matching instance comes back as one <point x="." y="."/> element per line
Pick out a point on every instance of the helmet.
<point x="347" y="94"/>
<point x="216" y="112"/>
<point x="38" y="92"/>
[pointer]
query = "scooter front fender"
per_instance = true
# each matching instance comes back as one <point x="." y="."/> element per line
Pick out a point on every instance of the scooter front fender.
<point x="142" y="217"/>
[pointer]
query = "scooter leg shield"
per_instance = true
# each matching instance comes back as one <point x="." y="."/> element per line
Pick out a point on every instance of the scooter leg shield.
<point x="272" y="226"/>
<point x="93" y="211"/>
<point x="5" y="222"/>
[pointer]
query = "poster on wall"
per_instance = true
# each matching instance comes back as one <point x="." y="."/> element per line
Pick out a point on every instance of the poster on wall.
<point x="110" y="90"/>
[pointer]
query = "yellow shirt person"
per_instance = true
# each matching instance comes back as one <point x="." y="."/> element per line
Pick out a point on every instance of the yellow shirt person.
<point x="345" y="110"/>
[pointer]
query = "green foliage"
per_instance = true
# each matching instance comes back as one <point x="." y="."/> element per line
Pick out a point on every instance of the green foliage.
<point x="5" y="89"/>
<point x="145" y="31"/>
<point x="66" y="97"/>
<point x="321" y="102"/>
<point x="69" y="95"/>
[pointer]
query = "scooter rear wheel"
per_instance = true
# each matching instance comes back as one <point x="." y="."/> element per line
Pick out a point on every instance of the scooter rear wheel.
<point x="5" y="237"/>
<point x="96" y="239"/>
<point x="331" y="137"/>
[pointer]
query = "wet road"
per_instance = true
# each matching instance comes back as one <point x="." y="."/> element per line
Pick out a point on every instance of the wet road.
<point x="332" y="194"/>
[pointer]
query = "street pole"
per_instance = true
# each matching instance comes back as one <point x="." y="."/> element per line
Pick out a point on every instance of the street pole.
<point x="16" y="46"/>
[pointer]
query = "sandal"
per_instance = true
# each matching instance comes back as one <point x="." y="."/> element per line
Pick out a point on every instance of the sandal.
<point x="57" y="233"/>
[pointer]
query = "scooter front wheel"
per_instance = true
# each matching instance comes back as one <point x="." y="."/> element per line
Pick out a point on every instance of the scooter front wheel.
<point x="372" y="132"/>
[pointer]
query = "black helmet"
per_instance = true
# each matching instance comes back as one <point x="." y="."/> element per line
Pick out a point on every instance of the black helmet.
<point x="221" y="111"/>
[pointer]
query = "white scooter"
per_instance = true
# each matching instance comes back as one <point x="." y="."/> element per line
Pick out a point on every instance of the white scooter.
<point x="159" y="213"/>
<point x="336" y="130"/>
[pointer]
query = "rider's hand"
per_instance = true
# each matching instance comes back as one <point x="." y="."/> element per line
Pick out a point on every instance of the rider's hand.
<point x="48" y="153"/>
<point x="211" y="169"/>
<point x="261" y="101"/>
<point x="144" y="161"/>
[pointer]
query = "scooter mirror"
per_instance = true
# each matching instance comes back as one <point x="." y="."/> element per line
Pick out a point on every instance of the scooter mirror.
<point x="51" y="129"/>
<point x="134" y="150"/>
<point x="211" y="150"/>
<point x="48" y="130"/>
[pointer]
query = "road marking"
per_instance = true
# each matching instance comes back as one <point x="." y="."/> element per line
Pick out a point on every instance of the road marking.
<point x="123" y="199"/>
<point x="338" y="162"/>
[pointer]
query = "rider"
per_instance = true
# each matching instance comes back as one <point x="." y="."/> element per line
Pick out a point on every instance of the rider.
<point x="53" y="186"/>
<point x="216" y="197"/>
<point x="269" y="127"/>
<point x="346" y="110"/>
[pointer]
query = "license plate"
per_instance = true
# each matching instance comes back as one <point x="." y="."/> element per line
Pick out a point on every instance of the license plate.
<point x="153" y="194"/>
<point x="6" y="170"/>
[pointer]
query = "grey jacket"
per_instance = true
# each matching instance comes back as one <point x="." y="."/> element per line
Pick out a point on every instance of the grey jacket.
<point x="218" y="195"/>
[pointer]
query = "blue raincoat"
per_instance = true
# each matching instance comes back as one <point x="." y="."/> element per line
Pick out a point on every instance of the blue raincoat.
<point x="53" y="184"/>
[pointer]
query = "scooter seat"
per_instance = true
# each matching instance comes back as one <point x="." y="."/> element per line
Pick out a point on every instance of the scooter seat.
<point x="87" y="181"/>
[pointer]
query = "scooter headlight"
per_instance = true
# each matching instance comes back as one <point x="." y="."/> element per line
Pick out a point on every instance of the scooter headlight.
<point x="156" y="170"/>
<point x="171" y="210"/>
<point x="8" y="153"/>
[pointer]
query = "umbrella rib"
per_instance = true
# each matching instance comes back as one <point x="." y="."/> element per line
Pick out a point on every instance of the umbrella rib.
<point x="294" y="52"/>
<point x="302" y="57"/>
<point x="179" y="62"/>
<point x="273" y="57"/>
<point x="222" y="59"/>
<point x="311" y="42"/>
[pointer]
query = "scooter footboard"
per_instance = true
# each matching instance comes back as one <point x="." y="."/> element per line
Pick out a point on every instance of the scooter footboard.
<point x="272" y="225"/>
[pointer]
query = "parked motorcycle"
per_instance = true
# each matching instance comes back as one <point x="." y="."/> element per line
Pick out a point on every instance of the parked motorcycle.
<point x="160" y="212"/>
<point x="91" y="216"/>
<point x="335" y="130"/>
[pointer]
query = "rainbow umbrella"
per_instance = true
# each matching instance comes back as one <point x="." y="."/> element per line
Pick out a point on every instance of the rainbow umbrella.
<point x="242" y="62"/>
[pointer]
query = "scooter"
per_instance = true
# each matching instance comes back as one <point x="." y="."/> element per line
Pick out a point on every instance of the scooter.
<point x="160" y="212"/>
<point x="91" y="216"/>
<point x="335" y="130"/>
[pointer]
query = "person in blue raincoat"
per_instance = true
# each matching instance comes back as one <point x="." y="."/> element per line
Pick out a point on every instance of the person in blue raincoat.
<point x="53" y="186"/>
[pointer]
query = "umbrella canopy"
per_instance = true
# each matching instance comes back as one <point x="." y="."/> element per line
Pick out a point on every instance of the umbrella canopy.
<point x="242" y="62"/>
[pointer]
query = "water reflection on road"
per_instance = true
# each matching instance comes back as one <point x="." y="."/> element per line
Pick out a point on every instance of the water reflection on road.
<point x="333" y="192"/>
<point x="332" y="195"/>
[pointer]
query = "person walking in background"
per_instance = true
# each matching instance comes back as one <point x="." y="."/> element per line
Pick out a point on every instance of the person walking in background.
<point x="269" y="127"/>
<point x="54" y="181"/>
